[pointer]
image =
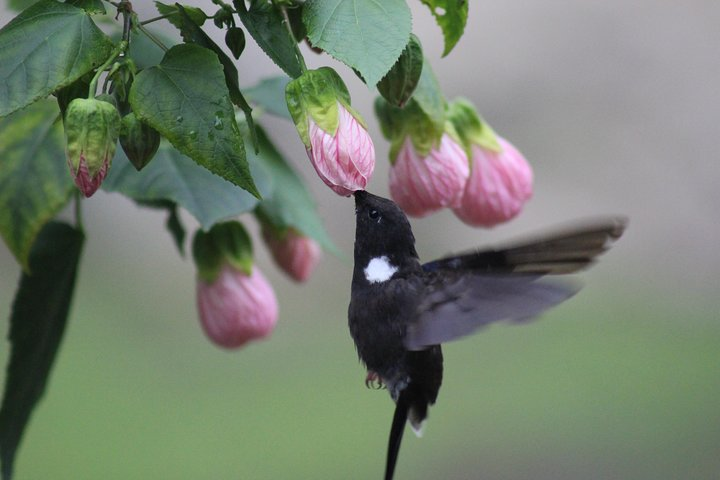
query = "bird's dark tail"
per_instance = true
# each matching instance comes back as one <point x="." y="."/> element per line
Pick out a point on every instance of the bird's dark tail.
<point x="402" y="407"/>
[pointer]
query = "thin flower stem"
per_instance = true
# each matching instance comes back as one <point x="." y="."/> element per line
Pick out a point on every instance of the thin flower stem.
<point x="122" y="46"/>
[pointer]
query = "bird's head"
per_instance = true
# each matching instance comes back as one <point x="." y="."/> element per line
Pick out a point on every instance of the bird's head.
<point x="382" y="229"/>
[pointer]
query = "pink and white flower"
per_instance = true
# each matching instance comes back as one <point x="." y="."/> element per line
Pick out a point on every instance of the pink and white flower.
<point x="296" y="254"/>
<point x="344" y="160"/>
<point x="499" y="185"/>
<point x="421" y="185"/>
<point x="236" y="308"/>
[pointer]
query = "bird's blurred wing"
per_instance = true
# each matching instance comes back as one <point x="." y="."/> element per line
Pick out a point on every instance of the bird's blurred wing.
<point x="566" y="250"/>
<point x="455" y="306"/>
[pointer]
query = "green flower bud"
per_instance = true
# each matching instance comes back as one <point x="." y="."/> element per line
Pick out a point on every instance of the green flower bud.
<point x="235" y="40"/>
<point x="138" y="140"/>
<point x="92" y="128"/>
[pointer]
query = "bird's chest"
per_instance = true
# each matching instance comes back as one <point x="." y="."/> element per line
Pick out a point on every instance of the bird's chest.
<point x="378" y="319"/>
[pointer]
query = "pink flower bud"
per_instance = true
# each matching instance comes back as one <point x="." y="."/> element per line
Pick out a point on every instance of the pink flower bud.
<point x="344" y="161"/>
<point x="296" y="254"/>
<point x="500" y="183"/>
<point x="422" y="185"/>
<point x="236" y="308"/>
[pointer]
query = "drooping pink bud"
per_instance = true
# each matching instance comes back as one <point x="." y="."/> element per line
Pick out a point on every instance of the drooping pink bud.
<point x="296" y="254"/>
<point x="236" y="308"/>
<point x="499" y="185"/>
<point x="344" y="160"/>
<point x="421" y="185"/>
<point x="334" y="134"/>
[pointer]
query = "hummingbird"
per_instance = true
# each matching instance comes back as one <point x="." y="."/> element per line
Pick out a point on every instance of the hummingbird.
<point x="402" y="310"/>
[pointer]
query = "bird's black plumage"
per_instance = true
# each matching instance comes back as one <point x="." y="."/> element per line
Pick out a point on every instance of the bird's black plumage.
<point x="401" y="310"/>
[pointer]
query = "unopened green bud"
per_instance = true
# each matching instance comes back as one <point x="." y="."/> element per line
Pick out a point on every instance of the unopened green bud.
<point x="138" y="140"/>
<point x="92" y="128"/>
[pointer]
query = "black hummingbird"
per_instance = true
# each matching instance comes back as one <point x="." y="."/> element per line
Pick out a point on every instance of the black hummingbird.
<point x="402" y="310"/>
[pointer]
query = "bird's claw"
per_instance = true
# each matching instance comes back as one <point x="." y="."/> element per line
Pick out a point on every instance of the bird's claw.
<point x="374" y="381"/>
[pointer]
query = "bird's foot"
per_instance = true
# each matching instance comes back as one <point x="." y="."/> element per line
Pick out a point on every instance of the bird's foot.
<point x="374" y="381"/>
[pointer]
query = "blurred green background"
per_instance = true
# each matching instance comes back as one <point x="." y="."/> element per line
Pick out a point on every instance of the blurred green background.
<point x="615" y="104"/>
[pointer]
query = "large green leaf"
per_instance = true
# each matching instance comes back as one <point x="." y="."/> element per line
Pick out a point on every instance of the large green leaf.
<point x="185" y="98"/>
<point x="192" y="33"/>
<point x="367" y="35"/>
<point x="269" y="94"/>
<point x="289" y="204"/>
<point x="171" y="176"/>
<point x="400" y="82"/>
<point x="18" y="5"/>
<point x="265" y="24"/>
<point x="37" y="322"/>
<point x="34" y="180"/>
<point x="46" y="47"/>
<point x="451" y="16"/>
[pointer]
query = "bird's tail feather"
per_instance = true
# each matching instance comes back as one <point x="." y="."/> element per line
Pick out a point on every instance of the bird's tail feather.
<point x="402" y="408"/>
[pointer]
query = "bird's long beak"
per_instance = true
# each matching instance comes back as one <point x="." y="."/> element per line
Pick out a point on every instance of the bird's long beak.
<point x="360" y="196"/>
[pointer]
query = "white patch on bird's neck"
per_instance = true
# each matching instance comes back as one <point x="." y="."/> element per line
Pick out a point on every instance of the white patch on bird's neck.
<point x="379" y="269"/>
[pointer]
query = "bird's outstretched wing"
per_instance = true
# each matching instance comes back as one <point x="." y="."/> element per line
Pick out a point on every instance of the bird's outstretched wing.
<point x="566" y="250"/>
<point x="456" y="305"/>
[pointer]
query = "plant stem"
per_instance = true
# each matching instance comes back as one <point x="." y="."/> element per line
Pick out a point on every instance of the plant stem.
<point x="152" y="37"/>
<point x="298" y="54"/>
<point x="122" y="46"/>
<point x="78" y="210"/>
<point x="155" y="19"/>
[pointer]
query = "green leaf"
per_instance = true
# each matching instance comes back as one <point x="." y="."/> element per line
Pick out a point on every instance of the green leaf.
<point x="269" y="94"/>
<point x="192" y="33"/>
<point x="34" y="180"/>
<point x="265" y="24"/>
<point x="37" y="322"/>
<point x="19" y="5"/>
<point x="400" y="82"/>
<point x="429" y="96"/>
<point x="451" y="16"/>
<point x="92" y="7"/>
<point x="367" y="35"/>
<point x="290" y="204"/>
<point x="46" y="47"/>
<point x="185" y="98"/>
<point x="173" y="13"/>
<point x="173" y="177"/>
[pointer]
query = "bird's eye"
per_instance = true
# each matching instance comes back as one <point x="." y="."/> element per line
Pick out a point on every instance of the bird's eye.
<point x="374" y="214"/>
